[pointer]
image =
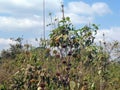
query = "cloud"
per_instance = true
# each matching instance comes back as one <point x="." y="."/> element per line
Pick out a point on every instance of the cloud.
<point x="110" y="34"/>
<point x="25" y="17"/>
<point x="84" y="13"/>
<point x="27" y="7"/>
<point x="11" y="23"/>
<point x="77" y="20"/>
<point x="22" y="15"/>
<point x="4" y="43"/>
<point x="99" y="8"/>
<point x="79" y="8"/>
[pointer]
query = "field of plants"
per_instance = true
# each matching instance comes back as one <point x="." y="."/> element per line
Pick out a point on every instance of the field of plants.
<point x="69" y="60"/>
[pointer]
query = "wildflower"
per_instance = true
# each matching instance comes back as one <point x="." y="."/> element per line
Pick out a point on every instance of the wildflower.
<point x="69" y="53"/>
<point x="55" y="51"/>
<point x="57" y="56"/>
<point x="32" y="80"/>
<point x="58" y="74"/>
<point x="64" y="62"/>
<point x="64" y="45"/>
<point x="42" y="85"/>
<point x="39" y="88"/>
<point x="68" y="68"/>
<point x="69" y="64"/>
<point x="74" y="55"/>
<point x="47" y="51"/>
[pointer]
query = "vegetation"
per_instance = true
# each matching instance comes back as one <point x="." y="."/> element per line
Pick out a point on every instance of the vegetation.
<point x="77" y="63"/>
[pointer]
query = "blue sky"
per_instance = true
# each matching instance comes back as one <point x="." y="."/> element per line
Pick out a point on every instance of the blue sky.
<point x="24" y="18"/>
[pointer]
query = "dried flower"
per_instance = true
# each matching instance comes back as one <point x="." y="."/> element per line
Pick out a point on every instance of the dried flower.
<point x="69" y="64"/>
<point x="69" y="53"/>
<point x="58" y="74"/>
<point x="68" y="68"/>
<point x="64" y="62"/>
<point x="42" y="85"/>
<point x="74" y="55"/>
<point x="47" y="50"/>
<point x="64" y="45"/>
<point x="55" y="51"/>
<point x="32" y="80"/>
<point x="57" y="56"/>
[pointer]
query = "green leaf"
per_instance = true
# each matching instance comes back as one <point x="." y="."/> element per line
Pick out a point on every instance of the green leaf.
<point x="67" y="18"/>
<point x="95" y="26"/>
<point x="72" y="85"/>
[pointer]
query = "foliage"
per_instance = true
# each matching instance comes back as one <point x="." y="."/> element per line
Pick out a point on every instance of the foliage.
<point x="77" y="63"/>
<point x="14" y="49"/>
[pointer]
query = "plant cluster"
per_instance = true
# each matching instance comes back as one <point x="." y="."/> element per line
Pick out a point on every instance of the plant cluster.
<point x="76" y="64"/>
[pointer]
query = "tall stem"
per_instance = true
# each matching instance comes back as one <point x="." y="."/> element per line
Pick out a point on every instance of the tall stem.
<point x="44" y="19"/>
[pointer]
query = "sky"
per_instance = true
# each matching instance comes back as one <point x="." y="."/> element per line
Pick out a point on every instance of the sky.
<point x="24" y="18"/>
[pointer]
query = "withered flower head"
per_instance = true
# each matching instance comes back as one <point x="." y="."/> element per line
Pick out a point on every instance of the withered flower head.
<point x="64" y="62"/>
<point x="58" y="73"/>
<point x="42" y="85"/>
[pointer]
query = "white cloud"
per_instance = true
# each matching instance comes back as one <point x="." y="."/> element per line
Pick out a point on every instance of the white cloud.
<point x="27" y="7"/>
<point x="11" y="23"/>
<point x="27" y="14"/>
<point x="21" y="3"/>
<point x="99" y="8"/>
<point x="110" y="34"/>
<point x="22" y="15"/>
<point x="4" y="43"/>
<point x="84" y="13"/>
<point x="79" y="8"/>
<point x="77" y="20"/>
